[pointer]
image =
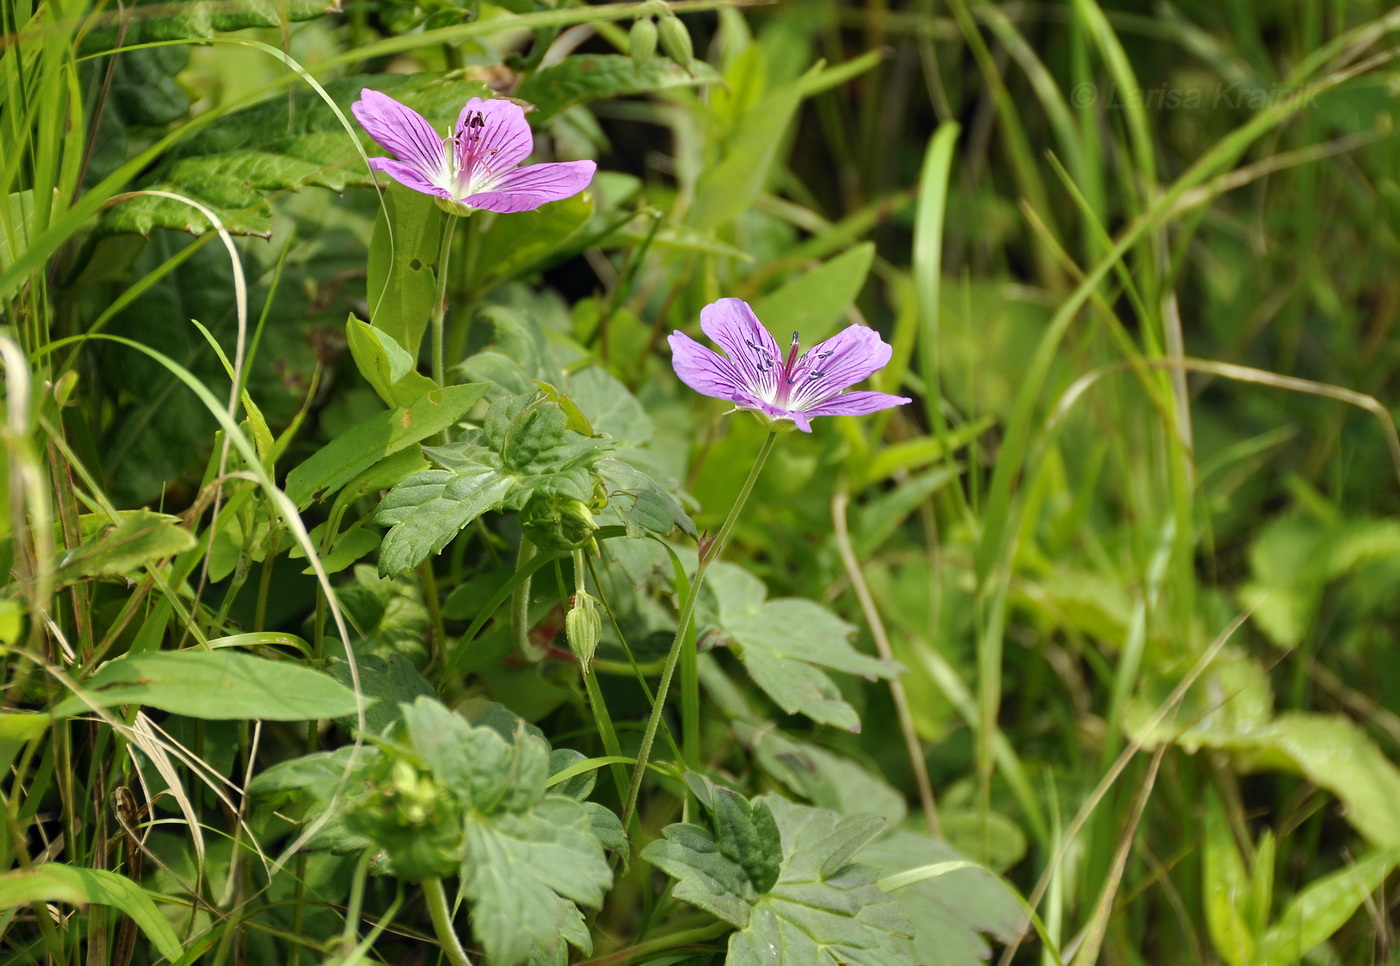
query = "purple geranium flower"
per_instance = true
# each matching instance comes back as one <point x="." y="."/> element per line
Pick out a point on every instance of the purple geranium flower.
<point x="476" y="167"/>
<point x="756" y="376"/>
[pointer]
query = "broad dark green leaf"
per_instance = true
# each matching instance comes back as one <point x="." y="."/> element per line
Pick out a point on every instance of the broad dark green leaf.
<point x="598" y="77"/>
<point x="118" y="549"/>
<point x="391" y="681"/>
<point x="524" y="450"/>
<point x="821" y="909"/>
<point x="215" y="685"/>
<point x="56" y="882"/>
<point x="785" y="644"/>
<point x="368" y="442"/>
<point x="403" y="254"/>
<point x="199" y="19"/>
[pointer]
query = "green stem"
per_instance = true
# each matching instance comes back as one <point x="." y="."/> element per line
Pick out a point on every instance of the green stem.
<point x="661" y="944"/>
<point x="440" y="303"/>
<point x="442" y="923"/>
<point x="520" y="606"/>
<point x="707" y="555"/>
<point x="437" y="645"/>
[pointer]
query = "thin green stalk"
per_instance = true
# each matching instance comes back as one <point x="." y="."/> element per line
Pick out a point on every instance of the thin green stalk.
<point x="349" y="936"/>
<point x="661" y="944"/>
<point x="520" y="605"/>
<point x="602" y="720"/>
<point x="440" y="304"/>
<point x="437" y="644"/>
<point x="442" y="923"/>
<point x="707" y="555"/>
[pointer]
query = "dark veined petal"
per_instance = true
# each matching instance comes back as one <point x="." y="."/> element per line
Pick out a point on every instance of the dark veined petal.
<point x="733" y="326"/>
<point x="493" y="133"/>
<point x="857" y="404"/>
<point x="525" y="189"/>
<point x="706" y="371"/>
<point x="407" y="175"/>
<point x="836" y="364"/>
<point x="403" y="132"/>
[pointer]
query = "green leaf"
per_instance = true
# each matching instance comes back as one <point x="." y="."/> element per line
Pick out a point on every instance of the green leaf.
<point x="56" y="882"/>
<point x="14" y="224"/>
<point x="601" y="77"/>
<point x="403" y="251"/>
<point x="814" y="302"/>
<point x="368" y="442"/>
<point x="530" y="857"/>
<point x="786" y="643"/>
<point x="820" y="776"/>
<point x="727" y="189"/>
<point x="516" y="243"/>
<point x="1226" y="890"/>
<point x="17" y="729"/>
<point x="386" y="366"/>
<point x="201" y="20"/>
<point x="392" y="681"/>
<point x="1323" y="907"/>
<point x="524" y="449"/>
<point x="641" y="502"/>
<point x="820" y="909"/>
<point x="281" y="144"/>
<point x="1230" y="709"/>
<point x="214" y="685"/>
<point x="951" y="911"/>
<point x="138" y="538"/>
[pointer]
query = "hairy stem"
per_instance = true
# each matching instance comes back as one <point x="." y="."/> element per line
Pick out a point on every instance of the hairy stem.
<point x="520" y="606"/>
<point x="442" y="923"/>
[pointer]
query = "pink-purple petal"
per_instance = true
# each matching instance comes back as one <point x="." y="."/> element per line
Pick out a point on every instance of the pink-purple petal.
<point x="706" y="371"/>
<point x="500" y="142"/>
<point x="403" y="132"/>
<point x="733" y="326"/>
<point x="525" y="189"/>
<point x="836" y="364"/>
<point x="856" y="404"/>
<point x="407" y="175"/>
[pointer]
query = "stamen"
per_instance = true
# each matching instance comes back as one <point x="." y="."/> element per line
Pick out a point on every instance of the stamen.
<point x="791" y="360"/>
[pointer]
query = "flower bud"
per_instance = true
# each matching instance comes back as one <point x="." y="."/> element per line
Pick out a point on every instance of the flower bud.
<point x="413" y="819"/>
<point x="641" y="41"/>
<point x="583" y="625"/>
<point x="559" y="523"/>
<point x="675" y="40"/>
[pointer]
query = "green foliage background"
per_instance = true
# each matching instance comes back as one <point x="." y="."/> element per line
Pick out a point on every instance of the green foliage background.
<point x="1080" y="658"/>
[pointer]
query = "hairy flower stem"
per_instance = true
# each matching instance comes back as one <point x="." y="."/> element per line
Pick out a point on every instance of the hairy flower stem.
<point x="520" y="606"/>
<point x="440" y="303"/>
<point x="442" y="923"/>
<point x="707" y="556"/>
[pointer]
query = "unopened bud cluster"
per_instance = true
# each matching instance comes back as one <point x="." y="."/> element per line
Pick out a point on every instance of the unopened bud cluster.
<point x="668" y="29"/>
